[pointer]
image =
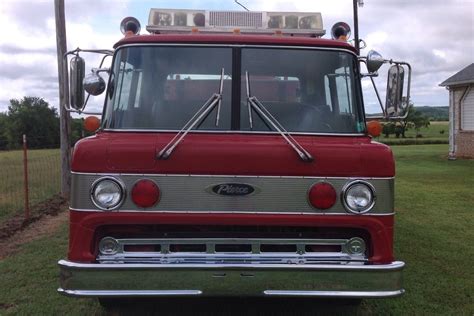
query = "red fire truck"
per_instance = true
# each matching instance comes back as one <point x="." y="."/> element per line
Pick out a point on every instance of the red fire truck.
<point x="233" y="158"/>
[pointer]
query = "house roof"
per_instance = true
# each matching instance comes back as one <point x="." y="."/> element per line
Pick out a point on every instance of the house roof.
<point x="466" y="75"/>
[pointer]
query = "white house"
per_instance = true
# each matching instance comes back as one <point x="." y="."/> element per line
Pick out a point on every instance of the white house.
<point x="461" y="113"/>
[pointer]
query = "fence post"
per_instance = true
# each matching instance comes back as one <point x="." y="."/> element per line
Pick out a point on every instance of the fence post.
<point x="25" y="177"/>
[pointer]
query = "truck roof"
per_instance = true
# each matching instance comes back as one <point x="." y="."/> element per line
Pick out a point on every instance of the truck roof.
<point x="235" y="39"/>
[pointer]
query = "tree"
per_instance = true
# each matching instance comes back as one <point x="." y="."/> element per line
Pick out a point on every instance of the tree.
<point x="32" y="116"/>
<point x="415" y="119"/>
<point x="3" y="131"/>
<point x="78" y="131"/>
<point x="388" y="128"/>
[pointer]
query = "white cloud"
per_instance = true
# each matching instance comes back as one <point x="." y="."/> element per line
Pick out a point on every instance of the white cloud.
<point x="439" y="53"/>
<point x="28" y="49"/>
<point x="435" y="36"/>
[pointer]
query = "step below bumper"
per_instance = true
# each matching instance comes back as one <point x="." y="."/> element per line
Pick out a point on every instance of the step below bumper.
<point x="154" y="280"/>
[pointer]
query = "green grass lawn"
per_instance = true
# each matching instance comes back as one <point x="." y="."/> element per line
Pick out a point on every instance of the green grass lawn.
<point x="44" y="178"/>
<point x="434" y="230"/>
<point x="434" y="234"/>
<point x="436" y="131"/>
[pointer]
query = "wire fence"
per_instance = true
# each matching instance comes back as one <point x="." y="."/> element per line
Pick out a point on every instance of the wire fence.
<point x="17" y="192"/>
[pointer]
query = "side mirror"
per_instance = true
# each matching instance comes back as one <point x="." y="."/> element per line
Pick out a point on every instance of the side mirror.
<point x="374" y="61"/>
<point x="94" y="84"/>
<point x="76" y="88"/>
<point x="395" y="103"/>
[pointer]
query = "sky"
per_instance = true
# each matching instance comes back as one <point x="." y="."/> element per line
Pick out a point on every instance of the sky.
<point x="435" y="36"/>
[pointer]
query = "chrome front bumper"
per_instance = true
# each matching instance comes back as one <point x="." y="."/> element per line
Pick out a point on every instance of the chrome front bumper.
<point x="152" y="280"/>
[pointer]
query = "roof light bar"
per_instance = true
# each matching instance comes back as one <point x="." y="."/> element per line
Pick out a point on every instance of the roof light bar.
<point x="173" y="21"/>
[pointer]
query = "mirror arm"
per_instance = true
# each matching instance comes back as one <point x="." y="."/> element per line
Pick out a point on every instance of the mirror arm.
<point x="99" y="70"/>
<point x="106" y="52"/>
<point x="378" y="97"/>
<point x="371" y="75"/>
<point x="78" y="50"/>
<point x="67" y="106"/>
<point x="84" y="112"/>
<point x="408" y="85"/>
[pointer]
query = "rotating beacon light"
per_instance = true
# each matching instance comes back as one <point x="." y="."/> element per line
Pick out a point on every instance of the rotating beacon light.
<point x="130" y="26"/>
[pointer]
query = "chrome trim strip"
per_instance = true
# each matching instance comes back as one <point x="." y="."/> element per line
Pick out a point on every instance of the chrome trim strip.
<point x="131" y="130"/>
<point x="118" y="293"/>
<point x="226" y="176"/>
<point x="394" y="266"/>
<point x="125" y="293"/>
<point x="355" y="294"/>
<point x="231" y="212"/>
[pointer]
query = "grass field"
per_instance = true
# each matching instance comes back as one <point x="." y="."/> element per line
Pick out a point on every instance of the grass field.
<point x="436" y="131"/>
<point x="44" y="178"/>
<point x="434" y="234"/>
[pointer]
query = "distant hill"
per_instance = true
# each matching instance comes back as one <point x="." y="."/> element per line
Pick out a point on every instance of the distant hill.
<point x="435" y="113"/>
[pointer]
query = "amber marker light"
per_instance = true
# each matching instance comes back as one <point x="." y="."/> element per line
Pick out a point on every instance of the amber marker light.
<point x="91" y="123"/>
<point x="374" y="128"/>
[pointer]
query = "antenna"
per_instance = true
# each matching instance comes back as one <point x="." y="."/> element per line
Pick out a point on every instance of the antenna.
<point x="236" y="1"/>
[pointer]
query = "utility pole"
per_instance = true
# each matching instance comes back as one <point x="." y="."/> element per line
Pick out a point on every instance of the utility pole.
<point x="65" y="118"/>
<point x="355" y="4"/>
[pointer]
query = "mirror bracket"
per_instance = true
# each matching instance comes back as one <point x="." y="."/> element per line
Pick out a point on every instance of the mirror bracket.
<point x="71" y="92"/>
<point x="99" y="70"/>
<point x="369" y="74"/>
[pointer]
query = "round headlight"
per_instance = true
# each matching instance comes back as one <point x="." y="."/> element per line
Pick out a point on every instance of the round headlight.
<point x="358" y="197"/>
<point x="107" y="193"/>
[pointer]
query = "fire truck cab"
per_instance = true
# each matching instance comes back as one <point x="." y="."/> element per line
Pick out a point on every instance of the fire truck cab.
<point x="233" y="159"/>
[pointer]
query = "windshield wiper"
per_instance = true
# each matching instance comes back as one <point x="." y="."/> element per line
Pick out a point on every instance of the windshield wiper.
<point x="200" y="115"/>
<point x="257" y="106"/>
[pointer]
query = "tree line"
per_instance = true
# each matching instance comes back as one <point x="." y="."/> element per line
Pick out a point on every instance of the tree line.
<point x="33" y="117"/>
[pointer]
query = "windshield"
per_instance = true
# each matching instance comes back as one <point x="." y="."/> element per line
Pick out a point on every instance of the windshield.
<point x="306" y="90"/>
<point x="163" y="87"/>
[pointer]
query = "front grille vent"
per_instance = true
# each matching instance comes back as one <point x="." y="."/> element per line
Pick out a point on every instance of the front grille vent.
<point x="235" y="251"/>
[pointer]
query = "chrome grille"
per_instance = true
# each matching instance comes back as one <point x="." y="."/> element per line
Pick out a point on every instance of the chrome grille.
<point x="234" y="251"/>
<point x="240" y="19"/>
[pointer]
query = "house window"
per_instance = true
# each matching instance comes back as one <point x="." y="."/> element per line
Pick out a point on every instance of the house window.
<point x="467" y="111"/>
